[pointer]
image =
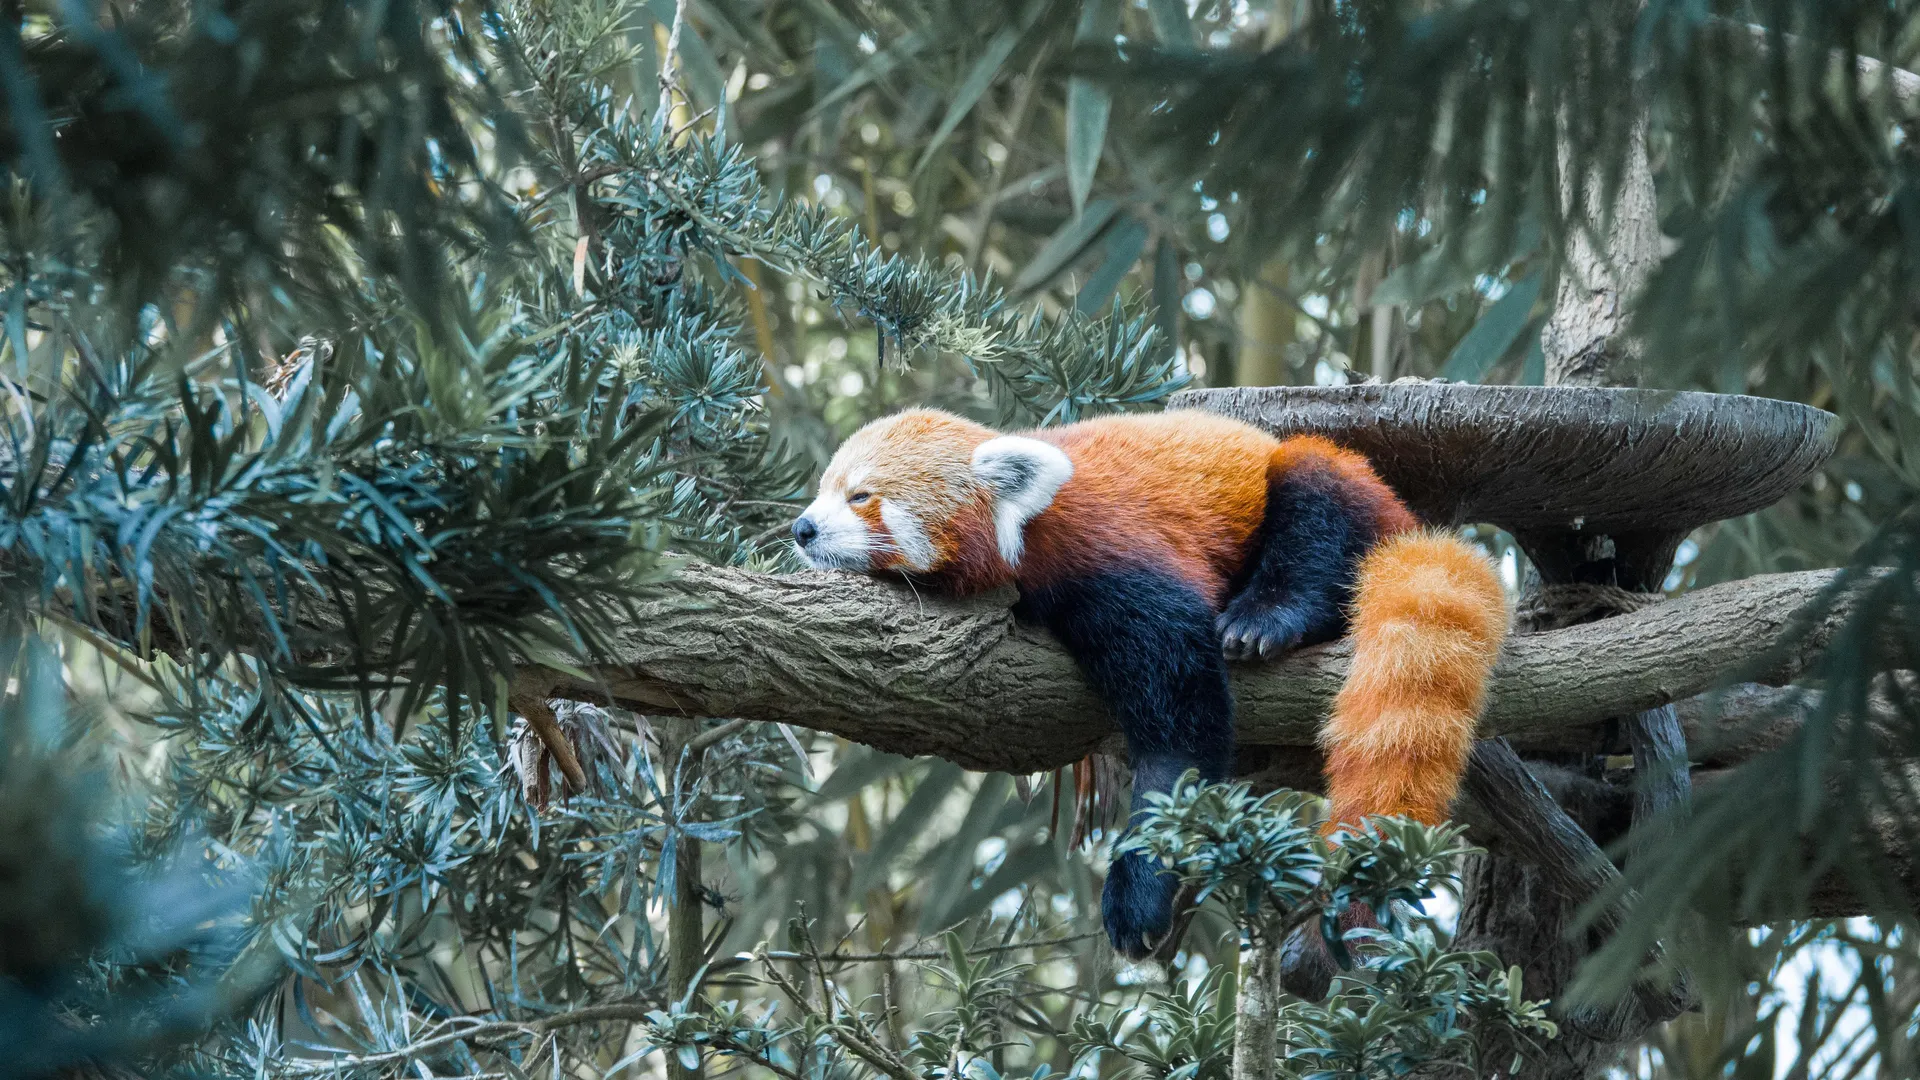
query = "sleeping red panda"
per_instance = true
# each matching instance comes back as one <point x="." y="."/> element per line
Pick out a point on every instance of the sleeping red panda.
<point x="1156" y="547"/>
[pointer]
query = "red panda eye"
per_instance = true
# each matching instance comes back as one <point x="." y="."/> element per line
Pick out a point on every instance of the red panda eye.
<point x="859" y="497"/>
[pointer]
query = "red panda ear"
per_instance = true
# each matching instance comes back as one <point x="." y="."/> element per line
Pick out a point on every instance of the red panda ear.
<point x="1022" y="475"/>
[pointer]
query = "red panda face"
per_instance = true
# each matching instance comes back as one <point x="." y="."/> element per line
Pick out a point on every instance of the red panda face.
<point x="893" y="495"/>
<point x="925" y="492"/>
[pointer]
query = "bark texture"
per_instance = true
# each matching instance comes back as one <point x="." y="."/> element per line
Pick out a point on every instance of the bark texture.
<point x="1611" y="252"/>
<point x="1539" y="459"/>
<point x="911" y="674"/>
<point x="1256" y="1009"/>
<point x="1585" y="337"/>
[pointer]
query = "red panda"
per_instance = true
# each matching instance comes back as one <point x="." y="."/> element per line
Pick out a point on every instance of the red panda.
<point x="1157" y="547"/>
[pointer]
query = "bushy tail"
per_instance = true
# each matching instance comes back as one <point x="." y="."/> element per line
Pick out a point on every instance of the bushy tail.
<point x="1428" y="620"/>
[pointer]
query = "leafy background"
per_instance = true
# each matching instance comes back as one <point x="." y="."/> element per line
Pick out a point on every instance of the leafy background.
<point x="341" y="337"/>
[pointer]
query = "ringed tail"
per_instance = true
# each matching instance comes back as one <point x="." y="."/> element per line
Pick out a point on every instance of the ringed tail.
<point x="1427" y="623"/>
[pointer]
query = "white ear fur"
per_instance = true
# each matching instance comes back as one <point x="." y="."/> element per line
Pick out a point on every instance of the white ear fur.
<point x="1023" y="474"/>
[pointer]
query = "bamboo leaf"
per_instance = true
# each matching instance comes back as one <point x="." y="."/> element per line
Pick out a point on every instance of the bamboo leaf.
<point x="978" y="79"/>
<point x="1088" y="103"/>
<point x="913" y="820"/>
<point x="947" y="880"/>
<point x="1125" y="241"/>
<point x="860" y="768"/>
<point x="1454" y="263"/>
<point x="1171" y="23"/>
<point x="1064" y="246"/>
<point x="1494" y="334"/>
<point x="871" y="72"/>
<point x="1020" y="866"/>
<point x="1166" y="291"/>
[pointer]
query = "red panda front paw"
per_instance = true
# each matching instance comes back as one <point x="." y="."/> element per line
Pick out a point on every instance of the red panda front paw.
<point x="1137" y="905"/>
<point x="1249" y="630"/>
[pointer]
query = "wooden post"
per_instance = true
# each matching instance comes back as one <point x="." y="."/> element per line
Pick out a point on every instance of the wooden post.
<point x="1256" y="1008"/>
<point x="686" y="924"/>
<point x="1585" y="343"/>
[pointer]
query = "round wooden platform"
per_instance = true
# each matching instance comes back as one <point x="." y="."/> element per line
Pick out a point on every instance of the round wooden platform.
<point x="1534" y="459"/>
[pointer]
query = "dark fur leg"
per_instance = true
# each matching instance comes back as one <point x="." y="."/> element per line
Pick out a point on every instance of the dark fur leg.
<point x="1145" y="640"/>
<point x="1295" y="588"/>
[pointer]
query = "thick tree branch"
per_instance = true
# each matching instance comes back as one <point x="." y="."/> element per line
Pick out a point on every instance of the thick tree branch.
<point x="1530" y="821"/>
<point x="913" y="674"/>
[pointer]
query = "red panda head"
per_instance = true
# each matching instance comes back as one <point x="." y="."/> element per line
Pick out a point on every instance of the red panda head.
<point x="927" y="492"/>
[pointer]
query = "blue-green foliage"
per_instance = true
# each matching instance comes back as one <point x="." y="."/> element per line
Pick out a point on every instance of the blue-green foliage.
<point x="107" y="953"/>
<point x="1403" y="1001"/>
<point x="442" y="400"/>
<point x="402" y="501"/>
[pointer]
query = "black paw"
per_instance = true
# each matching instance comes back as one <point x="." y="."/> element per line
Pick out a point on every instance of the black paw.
<point x="1250" y="629"/>
<point x="1137" y="905"/>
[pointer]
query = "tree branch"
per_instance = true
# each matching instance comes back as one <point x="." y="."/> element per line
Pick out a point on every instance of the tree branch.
<point x="1904" y="84"/>
<point x="877" y="663"/>
<point x="1530" y="820"/>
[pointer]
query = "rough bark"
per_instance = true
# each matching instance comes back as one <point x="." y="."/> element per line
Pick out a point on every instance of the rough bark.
<point x="1741" y="722"/>
<point x="911" y="674"/>
<point x="1592" y="461"/>
<point x="1585" y="337"/>
<point x="1535" y="912"/>
<point x="1610" y="255"/>
<point x="1537" y="832"/>
<point x="1256" y="1009"/>
<point x="1833" y="896"/>
<point x="1605" y="812"/>
<point x="1663" y="784"/>
<point x="1722" y="729"/>
<point x="1903" y="85"/>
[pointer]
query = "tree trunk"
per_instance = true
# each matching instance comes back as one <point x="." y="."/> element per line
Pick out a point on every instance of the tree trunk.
<point x="1509" y="907"/>
<point x="1256" y="1008"/>
<point x="1585" y="340"/>
<point x="686" y="925"/>
<point x="1266" y="329"/>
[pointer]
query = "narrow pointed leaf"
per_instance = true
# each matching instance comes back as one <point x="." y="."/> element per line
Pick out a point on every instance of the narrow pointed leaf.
<point x="1494" y="334"/>
<point x="978" y="79"/>
<point x="1088" y="103"/>
<point x="1066" y="245"/>
<point x="1125" y="241"/>
<point x="1171" y="23"/>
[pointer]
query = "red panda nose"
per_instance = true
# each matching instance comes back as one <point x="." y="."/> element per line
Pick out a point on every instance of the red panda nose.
<point x="804" y="531"/>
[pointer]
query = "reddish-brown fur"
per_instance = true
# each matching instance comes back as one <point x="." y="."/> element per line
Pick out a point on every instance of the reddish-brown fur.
<point x="919" y="458"/>
<point x="1363" y="487"/>
<point x="1427" y="623"/>
<point x="1183" y="490"/>
<point x="1188" y="491"/>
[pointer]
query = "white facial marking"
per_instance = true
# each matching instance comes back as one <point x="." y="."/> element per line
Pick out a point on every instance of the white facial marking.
<point x="909" y="538"/>
<point x="843" y="541"/>
<point x="1024" y="475"/>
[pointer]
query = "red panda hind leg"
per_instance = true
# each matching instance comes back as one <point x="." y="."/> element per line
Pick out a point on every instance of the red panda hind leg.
<point x="1428" y="619"/>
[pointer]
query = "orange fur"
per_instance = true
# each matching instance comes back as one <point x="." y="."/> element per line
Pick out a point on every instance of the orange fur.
<point x="1187" y="490"/>
<point x="1359" y="482"/>
<point x="920" y="458"/>
<point x="1182" y="489"/>
<point x="1428" y="620"/>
